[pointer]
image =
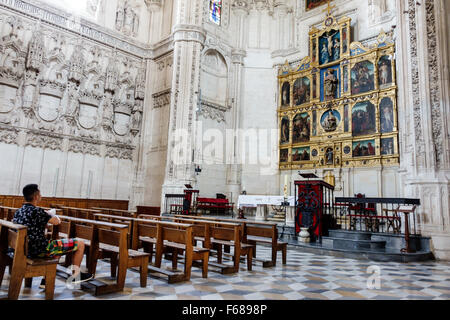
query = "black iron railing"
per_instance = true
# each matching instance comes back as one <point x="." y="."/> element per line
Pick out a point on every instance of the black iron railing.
<point x="173" y="203"/>
<point x="381" y="215"/>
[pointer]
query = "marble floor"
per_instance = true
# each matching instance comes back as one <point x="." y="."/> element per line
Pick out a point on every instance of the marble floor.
<point x="306" y="276"/>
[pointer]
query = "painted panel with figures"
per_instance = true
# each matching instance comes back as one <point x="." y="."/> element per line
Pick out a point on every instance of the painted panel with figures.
<point x="337" y="107"/>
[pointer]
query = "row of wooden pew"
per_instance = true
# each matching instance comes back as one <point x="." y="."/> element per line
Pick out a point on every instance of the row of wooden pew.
<point x="119" y="235"/>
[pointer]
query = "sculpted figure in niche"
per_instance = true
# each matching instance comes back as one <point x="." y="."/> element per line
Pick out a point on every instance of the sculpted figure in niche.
<point x="29" y="88"/>
<point x="329" y="156"/>
<point x="73" y="105"/>
<point x="331" y="83"/>
<point x="131" y="20"/>
<point x="137" y="115"/>
<point x="120" y="15"/>
<point x="136" y="24"/>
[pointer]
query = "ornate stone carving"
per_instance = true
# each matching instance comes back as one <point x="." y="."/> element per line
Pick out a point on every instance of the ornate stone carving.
<point x="161" y="99"/>
<point x="8" y="135"/>
<point x="127" y="17"/>
<point x="415" y="86"/>
<point x="212" y="111"/>
<point x="433" y="66"/>
<point x="119" y="153"/>
<point x="44" y="141"/>
<point x="36" y="52"/>
<point x="77" y="64"/>
<point x="83" y="147"/>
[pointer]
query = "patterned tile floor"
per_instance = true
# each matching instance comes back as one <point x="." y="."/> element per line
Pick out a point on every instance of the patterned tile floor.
<point x="306" y="276"/>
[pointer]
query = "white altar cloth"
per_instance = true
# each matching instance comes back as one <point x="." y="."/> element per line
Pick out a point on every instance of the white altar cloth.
<point x="245" y="201"/>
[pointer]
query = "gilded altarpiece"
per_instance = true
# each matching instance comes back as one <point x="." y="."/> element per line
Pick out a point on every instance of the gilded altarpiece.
<point x="338" y="107"/>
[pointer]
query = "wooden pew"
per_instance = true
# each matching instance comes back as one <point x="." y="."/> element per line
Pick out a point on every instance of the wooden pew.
<point x="7" y="213"/>
<point x="257" y="232"/>
<point x="107" y="236"/>
<point x="117" y="212"/>
<point x="80" y="213"/>
<point x="176" y="238"/>
<point x="220" y="235"/>
<point x="15" y="237"/>
<point x="120" y="220"/>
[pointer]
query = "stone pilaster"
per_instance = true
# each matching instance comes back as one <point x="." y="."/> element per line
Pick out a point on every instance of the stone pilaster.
<point x="424" y="97"/>
<point x="189" y="38"/>
<point x="234" y="170"/>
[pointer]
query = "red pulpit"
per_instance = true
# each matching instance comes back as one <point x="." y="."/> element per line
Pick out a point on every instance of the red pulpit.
<point x="190" y="199"/>
<point x="313" y="200"/>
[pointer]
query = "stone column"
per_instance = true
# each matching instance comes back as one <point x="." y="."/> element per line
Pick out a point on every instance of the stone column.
<point x="238" y="54"/>
<point x="138" y="185"/>
<point x="422" y="58"/>
<point x="189" y="38"/>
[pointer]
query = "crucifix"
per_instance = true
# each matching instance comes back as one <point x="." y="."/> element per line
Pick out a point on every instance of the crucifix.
<point x="329" y="8"/>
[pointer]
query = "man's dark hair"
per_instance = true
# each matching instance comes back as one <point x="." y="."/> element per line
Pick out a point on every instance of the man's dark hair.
<point x="29" y="191"/>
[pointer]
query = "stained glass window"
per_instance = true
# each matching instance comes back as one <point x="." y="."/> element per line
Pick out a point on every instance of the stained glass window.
<point x="215" y="11"/>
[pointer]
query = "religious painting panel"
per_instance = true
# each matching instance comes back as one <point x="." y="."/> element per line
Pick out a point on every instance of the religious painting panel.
<point x="285" y="131"/>
<point x="329" y="47"/>
<point x="284" y="155"/>
<point x="301" y="128"/>
<point x="363" y="119"/>
<point x="302" y="91"/>
<point x="301" y="154"/>
<point x="330" y="120"/>
<point x="364" y="148"/>
<point x="326" y="130"/>
<point x="329" y="83"/>
<point x="314" y="50"/>
<point x="312" y="4"/>
<point x="286" y="94"/>
<point x="363" y="79"/>
<point x="387" y="146"/>
<point x="386" y="115"/>
<point x="345" y="39"/>
<point x="385" y="78"/>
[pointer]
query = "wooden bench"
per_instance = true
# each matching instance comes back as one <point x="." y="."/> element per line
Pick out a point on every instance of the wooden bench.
<point x="80" y="213"/>
<point x="257" y="232"/>
<point x="7" y="213"/>
<point x="221" y="235"/>
<point x="176" y="238"/>
<point x="119" y="220"/>
<point x="111" y="238"/>
<point x="15" y="237"/>
<point x="116" y="212"/>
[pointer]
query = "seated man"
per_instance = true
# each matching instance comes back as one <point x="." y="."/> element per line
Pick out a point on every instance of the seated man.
<point x="36" y="220"/>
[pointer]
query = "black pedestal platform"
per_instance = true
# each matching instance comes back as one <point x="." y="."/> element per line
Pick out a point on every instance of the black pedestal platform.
<point x="362" y="245"/>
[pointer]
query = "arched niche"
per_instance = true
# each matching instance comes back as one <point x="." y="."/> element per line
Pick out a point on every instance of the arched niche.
<point x="214" y="78"/>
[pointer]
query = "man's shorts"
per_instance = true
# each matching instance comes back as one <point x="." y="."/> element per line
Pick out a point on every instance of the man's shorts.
<point x="60" y="247"/>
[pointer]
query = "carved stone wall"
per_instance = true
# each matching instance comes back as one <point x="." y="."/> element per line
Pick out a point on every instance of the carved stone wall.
<point x="66" y="93"/>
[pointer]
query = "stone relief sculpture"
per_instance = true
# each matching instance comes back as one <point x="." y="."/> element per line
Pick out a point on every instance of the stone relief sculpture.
<point x="59" y="88"/>
<point x="12" y="71"/>
<point x="127" y="17"/>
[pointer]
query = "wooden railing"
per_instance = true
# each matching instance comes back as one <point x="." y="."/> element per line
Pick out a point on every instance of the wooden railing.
<point x="17" y="201"/>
